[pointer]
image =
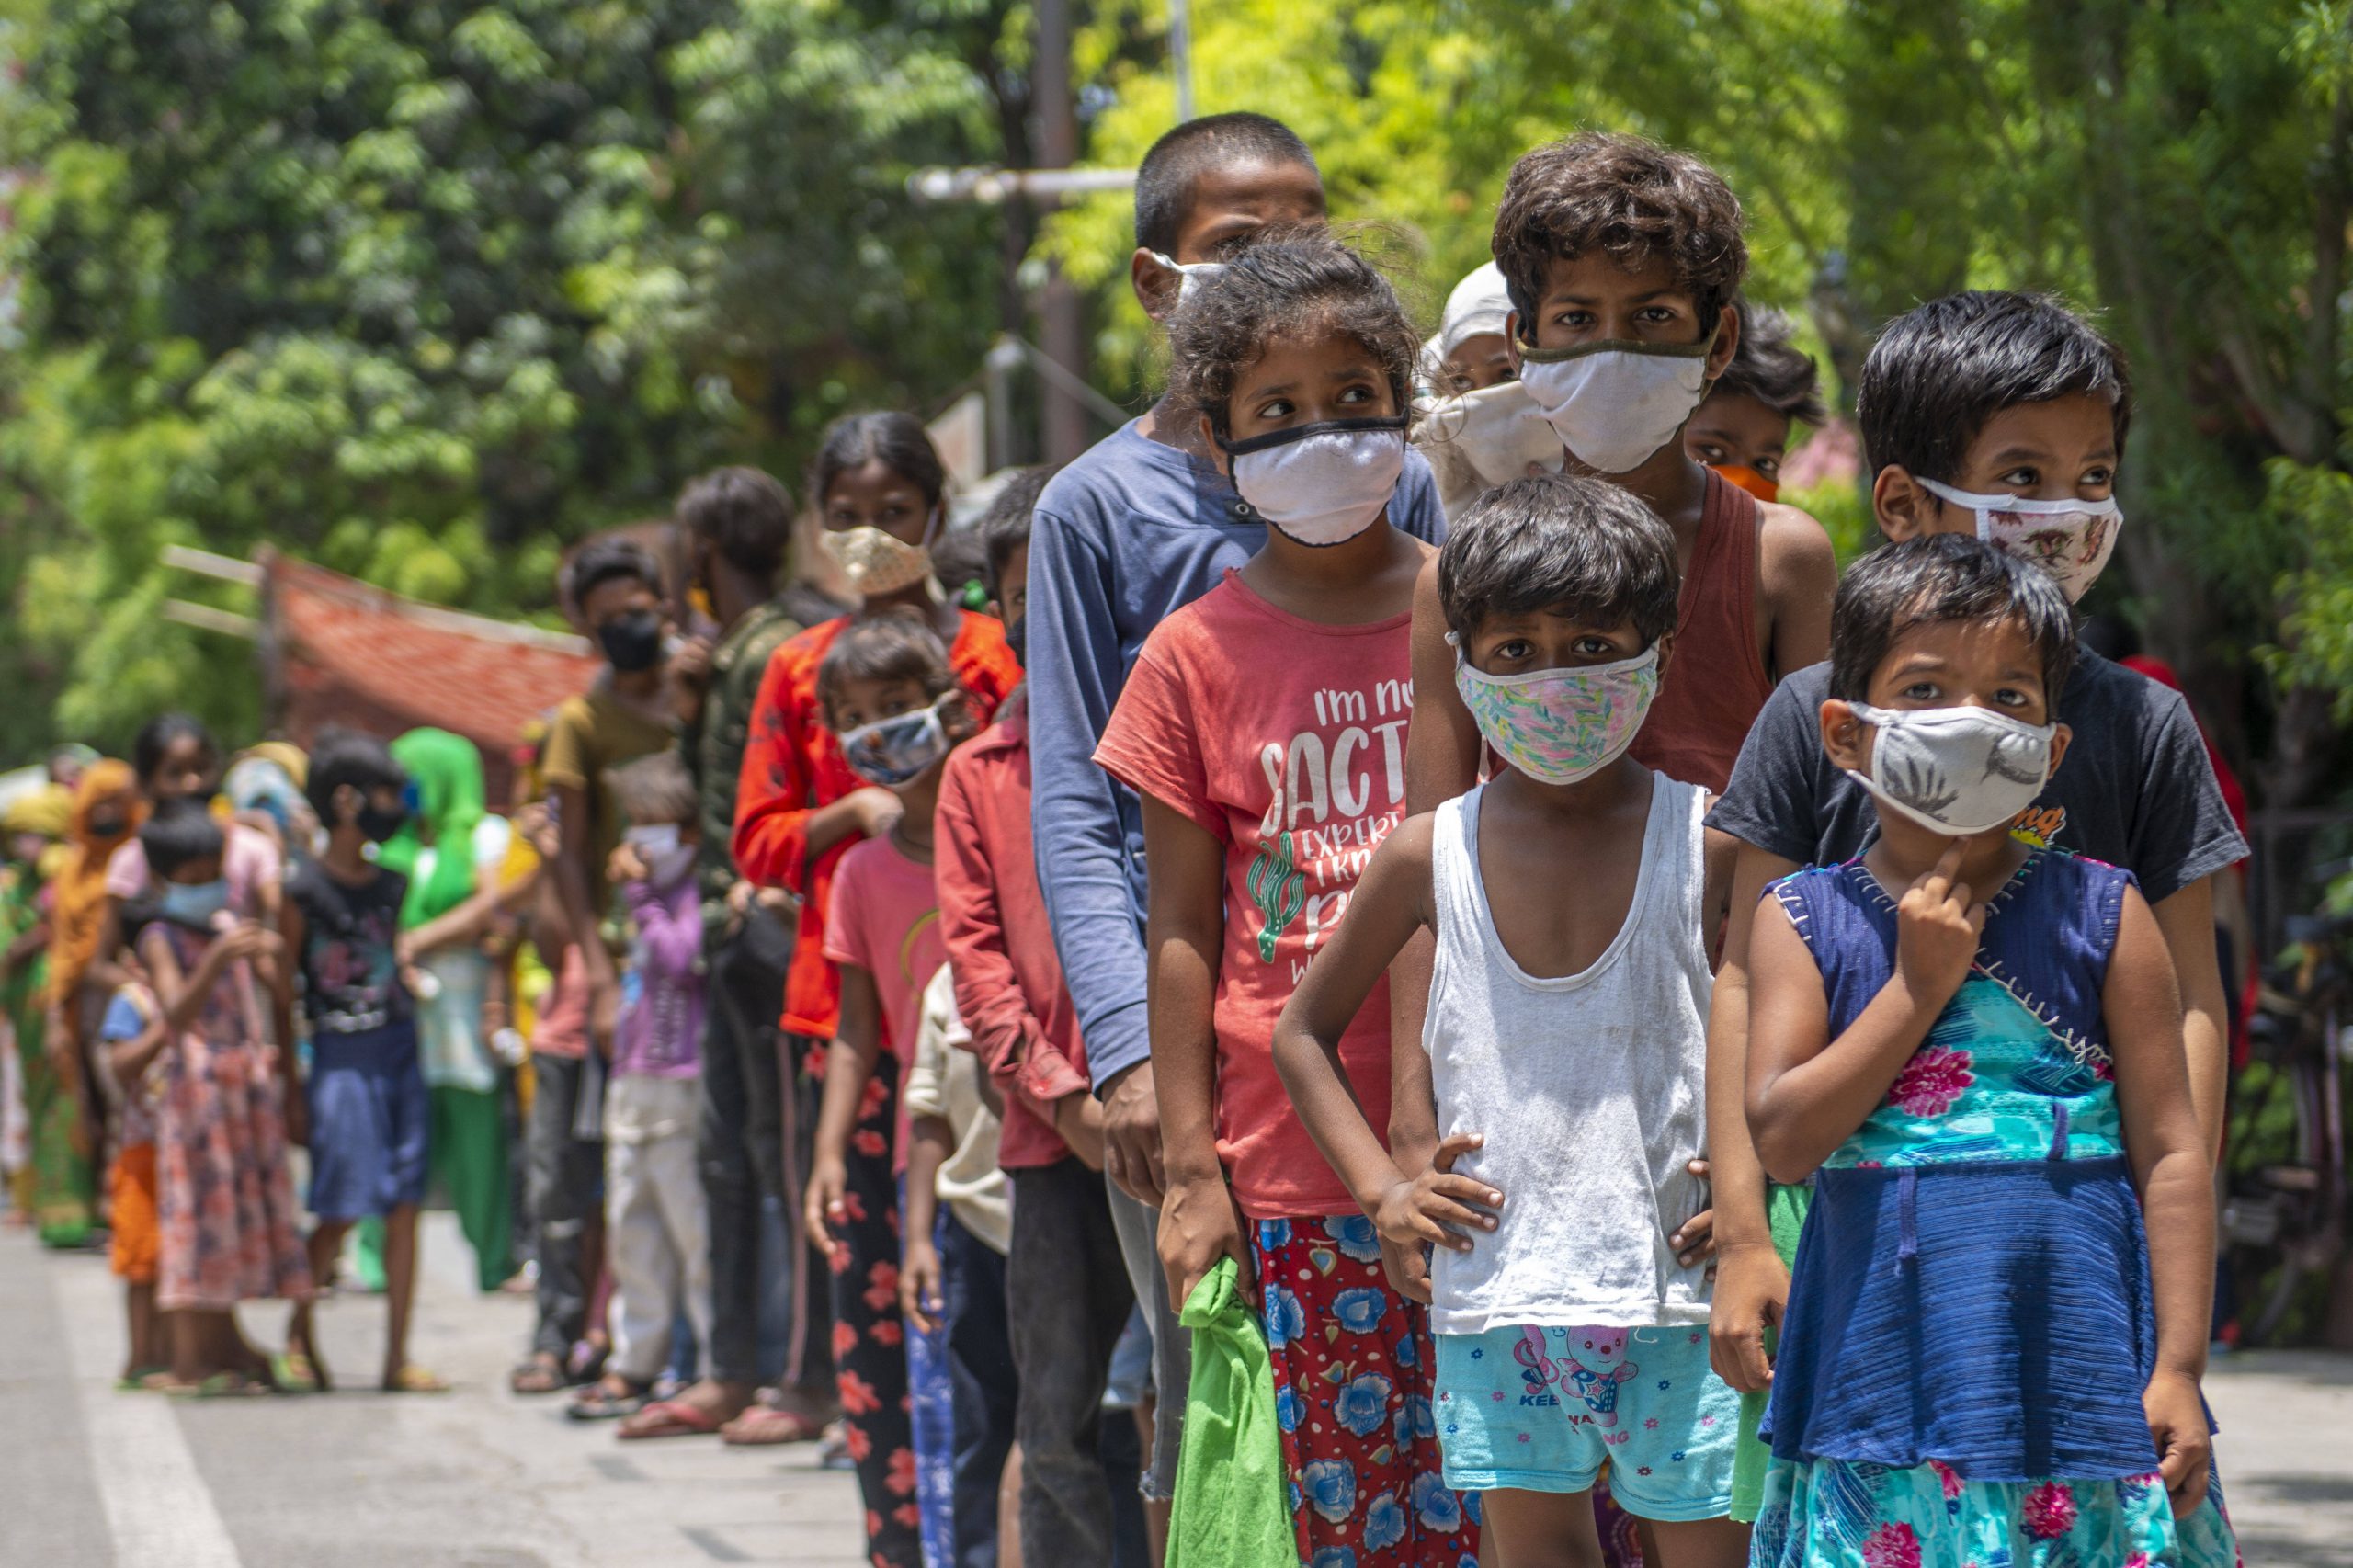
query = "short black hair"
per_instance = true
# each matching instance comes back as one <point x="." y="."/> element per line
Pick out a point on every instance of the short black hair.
<point x="347" y="756"/>
<point x="159" y="735"/>
<point x="960" y="564"/>
<point x="745" y="512"/>
<point x="897" y="645"/>
<point x="1941" y="370"/>
<point x="180" y="832"/>
<point x="656" y="788"/>
<point x="1938" y="578"/>
<point x="1005" y="527"/>
<point x="1770" y="369"/>
<point x="1625" y="196"/>
<point x="1556" y="541"/>
<point x="607" y="559"/>
<point x="1288" y="280"/>
<point x="1165" y="178"/>
<point x="897" y="440"/>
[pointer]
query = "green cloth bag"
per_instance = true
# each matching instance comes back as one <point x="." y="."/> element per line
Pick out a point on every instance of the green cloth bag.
<point x="1233" y="1508"/>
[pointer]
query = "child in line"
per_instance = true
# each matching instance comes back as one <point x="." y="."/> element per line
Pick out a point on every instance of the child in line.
<point x="657" y="1226"/>
<point x="1264" y="728"/>
<point x="224" y="1205"/>
<point x="2014" y="401"/>
<point x="896" y="710"/>
<point x="1624" y="260"/>
<point x="1742" y="426"/>
<point x="131" y="1038"/>
<point x="1480" y="428"/>
<point x="1566" y="1041"/>
<point x="340" y="922"/>
<point x="1972" y="1046"/>
<point x="1065" y="1269"/>
<point x="952" y="1284"/>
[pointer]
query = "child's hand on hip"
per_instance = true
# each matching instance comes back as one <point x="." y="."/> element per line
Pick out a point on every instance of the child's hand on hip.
<point x="1200" y="1224"/>
<point x="2176" y="1413"/>
<point x="1696" y="1242"/>
<point x="1435" y="1206"/>
<point x="1938" y="924"/>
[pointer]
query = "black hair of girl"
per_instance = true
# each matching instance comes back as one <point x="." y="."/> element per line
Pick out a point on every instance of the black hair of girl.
<point x="900" y="645"/>
<point x="159" y="735"/>
<point x="1288" y="280"/>
<point x="182" y="832"/>
<point x="897" y="440"/>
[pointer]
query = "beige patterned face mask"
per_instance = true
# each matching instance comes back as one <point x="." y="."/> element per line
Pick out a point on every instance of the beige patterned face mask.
<point x="876" y="563"/>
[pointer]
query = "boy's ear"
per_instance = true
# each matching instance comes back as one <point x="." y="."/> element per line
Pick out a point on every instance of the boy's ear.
<point x="1218" y="457"/>
<point x="1511" y="338"/>
<point x="2060" y="738"/>
<point x="1727" y="343"/>
<point x="1666" y="646"/>
<point x="1845" y="738"/>
<point x="1157" y="287"/>
<point x="1903" y="509"/>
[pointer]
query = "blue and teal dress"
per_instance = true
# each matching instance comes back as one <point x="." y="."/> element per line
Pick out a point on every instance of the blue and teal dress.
<point x="1970" y="1323"/>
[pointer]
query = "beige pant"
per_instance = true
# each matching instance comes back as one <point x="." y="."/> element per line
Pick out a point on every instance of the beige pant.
<point x="656" y="1227"/>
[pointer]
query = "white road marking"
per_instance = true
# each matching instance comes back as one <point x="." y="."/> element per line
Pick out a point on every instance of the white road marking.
<point x="159" y="1510"/>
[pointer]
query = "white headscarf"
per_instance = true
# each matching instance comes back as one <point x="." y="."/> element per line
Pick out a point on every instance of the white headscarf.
<point x="1478" y="305"/>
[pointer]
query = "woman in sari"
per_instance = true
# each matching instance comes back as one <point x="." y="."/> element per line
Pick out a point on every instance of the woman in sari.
<point x="107" y="812"/>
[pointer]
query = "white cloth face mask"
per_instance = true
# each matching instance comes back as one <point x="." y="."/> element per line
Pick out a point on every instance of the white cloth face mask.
<point x="1498" y="431"/>
<point x="2070" y="540"/>
<point x="1322" y="483"/>
<point x="1189" y="273"/>
<point x="1615" y="403"/>
<point x="1957" y="771"/>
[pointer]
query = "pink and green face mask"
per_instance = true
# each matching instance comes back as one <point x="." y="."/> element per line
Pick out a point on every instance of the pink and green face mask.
<point x="1558" y="727"/>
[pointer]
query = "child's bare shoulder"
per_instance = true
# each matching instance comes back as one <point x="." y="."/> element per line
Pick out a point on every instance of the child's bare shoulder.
<point x="1792" y="544"/>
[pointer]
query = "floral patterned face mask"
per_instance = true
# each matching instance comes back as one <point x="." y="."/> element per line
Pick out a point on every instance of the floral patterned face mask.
<point x="1558" y="727"/>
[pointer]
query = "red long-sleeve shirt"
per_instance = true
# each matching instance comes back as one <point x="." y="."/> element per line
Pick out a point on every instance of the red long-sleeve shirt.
<point x="792" y="766"/>
<point x="1009" y="987"/>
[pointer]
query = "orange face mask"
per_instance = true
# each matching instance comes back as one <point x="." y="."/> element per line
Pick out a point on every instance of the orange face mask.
<point x="1748" y="479"/>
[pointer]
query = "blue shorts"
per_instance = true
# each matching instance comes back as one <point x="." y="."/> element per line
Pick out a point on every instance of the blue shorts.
<point x="368" y="1114"/>
<point x="1542" y="1409"/>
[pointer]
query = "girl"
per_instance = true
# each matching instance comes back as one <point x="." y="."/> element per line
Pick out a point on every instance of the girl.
<point x="1264" y="727"/>
<point x="1974" y="1048"/>
<point x="224" y="1206"/>
<point x="33" y="830"/>
<point x="897" y="712"/>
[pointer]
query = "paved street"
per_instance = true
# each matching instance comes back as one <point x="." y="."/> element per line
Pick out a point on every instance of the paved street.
<point x="478" y="1479"/>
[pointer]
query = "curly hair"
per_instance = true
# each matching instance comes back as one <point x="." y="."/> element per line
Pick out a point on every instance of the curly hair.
<point x="1625" y="196"/>
<point x="1770" y="369"/>
<point x="1288" y="281"/>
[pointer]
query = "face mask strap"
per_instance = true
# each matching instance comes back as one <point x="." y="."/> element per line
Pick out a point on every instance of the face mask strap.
<point x="1274" y="438"/>
<point x="1646" y="659"/>
<point x="2019" y="506"/>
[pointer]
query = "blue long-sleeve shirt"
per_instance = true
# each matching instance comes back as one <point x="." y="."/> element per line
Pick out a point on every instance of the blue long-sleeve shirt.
<point x="1132" y="530"/>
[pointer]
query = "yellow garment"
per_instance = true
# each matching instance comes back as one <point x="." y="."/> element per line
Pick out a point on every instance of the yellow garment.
<point x="287" y="755"/>
<point x="47" y="811"/>
<point x="77" y="913"/>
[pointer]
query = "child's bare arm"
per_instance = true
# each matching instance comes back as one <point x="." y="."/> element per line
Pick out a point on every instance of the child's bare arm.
<point x="930" y="1140"/>
<point x="1798" y="571"/>
<point x="1184" y="937"/>
<point x="290" y="933"/>
<point x="2141" y="1007"/>
<point x="849" y="1063"/>
<point x="129" y="1059"/>
<point x="1807" y="1093"/>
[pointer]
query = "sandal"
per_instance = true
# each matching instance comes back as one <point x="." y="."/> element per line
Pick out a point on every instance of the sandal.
<point x="601" y="1401"/>
<point x="764" y="1427"/>
<point x="670" y="1418"/>
<point x="143" y="1380"/>
<point x="293" y="1372"/>
<point x="219" y="1385"/>
<point x="413" y="1380"/>
<point x="543" y="1373"/>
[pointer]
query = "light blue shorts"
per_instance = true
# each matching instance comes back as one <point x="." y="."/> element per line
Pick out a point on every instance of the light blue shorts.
<point x="1542" y="1409"/>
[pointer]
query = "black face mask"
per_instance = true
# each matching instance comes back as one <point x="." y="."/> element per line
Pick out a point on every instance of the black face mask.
<point x="1017" y="637"/>
<point x="632" y="641"/>
<point x="376" y="825"/>
<point x="107" y="826"/>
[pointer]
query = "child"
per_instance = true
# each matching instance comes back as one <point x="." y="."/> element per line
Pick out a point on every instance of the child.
<point x="224" y="1203"/>
<point x="1064" y="1269"/>
<point x="1480" y="428"/>
<point x="340" y="921"/>
<point x="1262" y="727"/>
<point x="1566" y="1041"/>
<point x="1742" y="426"/>
<point x="1972" y="1046"/>
<point x="1624" y="260"/>
<point x="131" y="1038"/>
<point x="897" y="710"/>
<point x="1977" y="392"/>
<point x="657" y="1226"/>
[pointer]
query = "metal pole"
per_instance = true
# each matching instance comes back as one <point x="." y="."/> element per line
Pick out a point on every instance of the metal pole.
<point x="1180" y="55"/>
<point x="1062" y="311"/>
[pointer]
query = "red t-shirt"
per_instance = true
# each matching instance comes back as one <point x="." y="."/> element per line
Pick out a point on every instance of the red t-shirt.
<point x="1286" y="740"/>
<point x="884" y="918"/>
<point x="792" y="766"/>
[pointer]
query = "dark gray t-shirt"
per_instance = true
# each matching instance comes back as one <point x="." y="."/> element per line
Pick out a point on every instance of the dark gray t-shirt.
<point x="2136" y="789"/>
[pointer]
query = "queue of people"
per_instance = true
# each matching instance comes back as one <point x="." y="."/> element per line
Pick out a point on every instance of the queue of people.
<point x="1408" y="861"/>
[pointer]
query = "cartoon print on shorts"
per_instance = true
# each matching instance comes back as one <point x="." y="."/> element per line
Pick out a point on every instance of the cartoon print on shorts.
<point x="1594" y="1367"/>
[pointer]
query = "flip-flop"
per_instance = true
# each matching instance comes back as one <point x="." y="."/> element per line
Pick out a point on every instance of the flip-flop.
<point x="669" y="1418"/>
<point x="291" y="1372"/>
<point x="220" y="1385"/>
<point x="143" y="1379"/>
<point x="597" y="1403"/>
<point x="763" y="1426"/>
<point x="537" y="1375"/>
<point x="413" y="1380"/>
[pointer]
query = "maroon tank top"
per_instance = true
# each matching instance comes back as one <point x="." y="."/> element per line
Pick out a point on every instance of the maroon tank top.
<point x="1716" y="683"/>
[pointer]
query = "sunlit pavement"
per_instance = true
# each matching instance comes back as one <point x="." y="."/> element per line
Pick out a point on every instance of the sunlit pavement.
<point x="480" y="1479"/>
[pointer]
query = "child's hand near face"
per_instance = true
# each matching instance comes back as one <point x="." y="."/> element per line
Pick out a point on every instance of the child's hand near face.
<point x="1938" y="925"/>
<point x="625" y="865"/>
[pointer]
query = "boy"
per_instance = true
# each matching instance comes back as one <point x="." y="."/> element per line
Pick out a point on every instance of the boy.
<point x="1989" y="396"/>
<point x="369" y="1111"/>
<point x="1138" y="527"/>
<point x="1624" y="260"/>
<point x="1561" y="1170"/>
<point x="131" y="1039"/>
<point x="614" y="589"/>
<point x="1742" y="427"/>
<point x="1065" y="1269"/>
<point x="738" y="523"/>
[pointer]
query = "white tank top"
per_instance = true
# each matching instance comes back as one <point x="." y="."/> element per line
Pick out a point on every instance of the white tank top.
<point x="1589" y="1090"/>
